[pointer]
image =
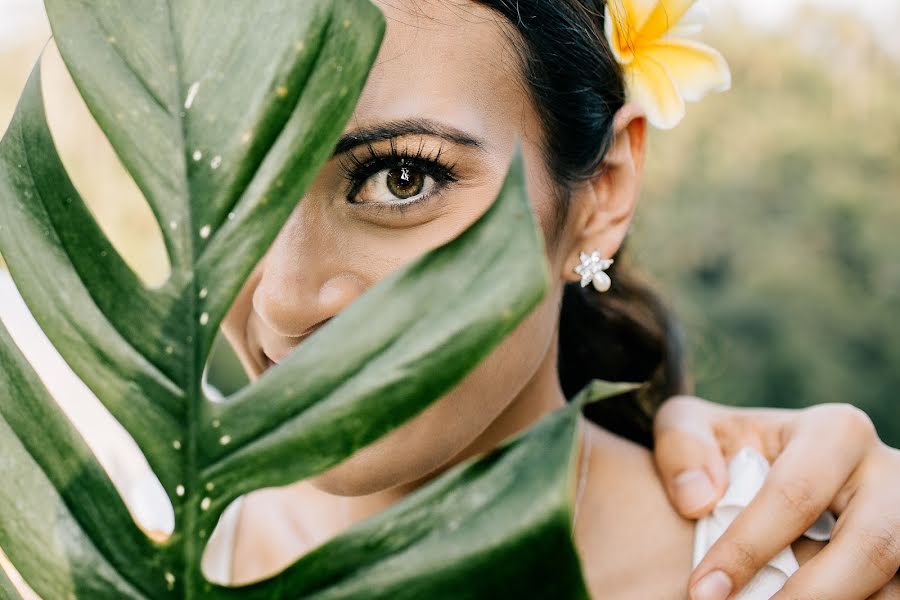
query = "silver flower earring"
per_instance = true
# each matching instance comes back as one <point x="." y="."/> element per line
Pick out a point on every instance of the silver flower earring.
<point x="592" y="269"/>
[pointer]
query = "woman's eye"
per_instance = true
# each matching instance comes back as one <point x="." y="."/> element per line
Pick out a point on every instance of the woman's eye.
<point x="401" y="183"/>
<point x="397" y="179"/>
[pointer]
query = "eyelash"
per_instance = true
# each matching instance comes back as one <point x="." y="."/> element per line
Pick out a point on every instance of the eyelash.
<point x="359" y="170"/>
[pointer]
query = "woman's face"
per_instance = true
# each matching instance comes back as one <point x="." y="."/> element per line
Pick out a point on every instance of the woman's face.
<point x="447" y="80"/>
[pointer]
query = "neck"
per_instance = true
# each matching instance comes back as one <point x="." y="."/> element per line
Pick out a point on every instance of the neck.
<point x="540" y="396"/>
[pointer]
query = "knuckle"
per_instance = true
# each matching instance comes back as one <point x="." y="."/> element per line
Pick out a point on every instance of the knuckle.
<point x="881" y="548"/>
<point x="678" y="407"/>
<point x="798" y="495"/>
<point x="746" y="557"/>
<point x="849" y="419"/>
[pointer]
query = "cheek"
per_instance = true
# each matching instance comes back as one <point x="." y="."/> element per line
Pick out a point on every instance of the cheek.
<point x="545" y="205"/>
<point x="450" y="424"/>
<point x="234" y="325"/>
<point x="323" y="241"/>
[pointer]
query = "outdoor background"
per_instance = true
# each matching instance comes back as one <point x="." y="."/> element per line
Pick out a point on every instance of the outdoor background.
<point x="770" y="216"/>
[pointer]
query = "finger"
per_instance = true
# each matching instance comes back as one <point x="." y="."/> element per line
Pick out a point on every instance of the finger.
<point x="861" y="559"/>
<point x="794" y="494"/>
<point x="687" y="455"/>
<point x="890" y="592"/>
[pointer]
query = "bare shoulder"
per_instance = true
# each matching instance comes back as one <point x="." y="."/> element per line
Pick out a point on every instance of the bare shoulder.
<point x="268" y="537"/>
<point x="632" y="542"/>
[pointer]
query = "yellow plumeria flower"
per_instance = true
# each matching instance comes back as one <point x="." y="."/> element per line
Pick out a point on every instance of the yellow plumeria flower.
<point x="662" y="69"/>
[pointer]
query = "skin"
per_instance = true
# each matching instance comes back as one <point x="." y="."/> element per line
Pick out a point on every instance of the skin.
<point x="825" y="457"/>
<point x="330" y="251"/>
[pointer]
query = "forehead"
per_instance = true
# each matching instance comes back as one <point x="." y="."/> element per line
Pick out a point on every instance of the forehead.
<point x="447" y="60"/>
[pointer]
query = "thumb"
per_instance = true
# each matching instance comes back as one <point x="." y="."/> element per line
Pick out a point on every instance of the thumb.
<point x="688" y="457"/>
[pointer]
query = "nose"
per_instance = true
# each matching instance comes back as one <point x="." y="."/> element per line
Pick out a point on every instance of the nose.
<point x="297" y="291"/>
<point x="291" y="307"/>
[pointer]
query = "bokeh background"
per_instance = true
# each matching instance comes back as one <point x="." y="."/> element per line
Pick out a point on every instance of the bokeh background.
<point x="770" y="217"/>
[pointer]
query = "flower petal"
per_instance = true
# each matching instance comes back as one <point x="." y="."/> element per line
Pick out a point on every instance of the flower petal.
<point x="618" y="40"/>
<point x="623" y="20"/>
<point x="695" y="68"/>
<point x="664" y="17"/>
<point x="638" y="10"/>
<point x="651" y="86"/>
<point x="692" y="22"/>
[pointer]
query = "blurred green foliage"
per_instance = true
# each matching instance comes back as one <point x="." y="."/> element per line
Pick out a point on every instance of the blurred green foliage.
<point x="771" y="220"/>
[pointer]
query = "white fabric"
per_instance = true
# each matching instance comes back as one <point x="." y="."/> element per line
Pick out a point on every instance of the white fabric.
<point x="216" y="562"/>
<point x="746" y="473"/>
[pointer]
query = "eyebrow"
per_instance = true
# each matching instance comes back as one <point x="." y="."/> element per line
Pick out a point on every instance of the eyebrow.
<point x="392" y="129"/>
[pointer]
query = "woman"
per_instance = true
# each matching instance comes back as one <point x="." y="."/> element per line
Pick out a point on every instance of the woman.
<point x="455" y="83"/>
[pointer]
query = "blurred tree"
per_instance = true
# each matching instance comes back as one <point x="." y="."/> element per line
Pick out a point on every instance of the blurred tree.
<point x="771" y="218"/>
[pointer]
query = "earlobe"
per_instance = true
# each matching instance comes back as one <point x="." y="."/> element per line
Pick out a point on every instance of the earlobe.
<point x="608" y="200"/>
<point x="593" y="270"/>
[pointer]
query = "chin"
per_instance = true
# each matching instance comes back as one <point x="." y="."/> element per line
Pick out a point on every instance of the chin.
<point x="340" y="481"/>
<point x="429" y="442"/>
<point x="350" y="478"/>
<point x="404" y="455"/>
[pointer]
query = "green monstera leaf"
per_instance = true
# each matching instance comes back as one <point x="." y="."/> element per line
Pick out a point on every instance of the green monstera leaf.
<point x="7" y="591"/>
<point x="223" y="117"/>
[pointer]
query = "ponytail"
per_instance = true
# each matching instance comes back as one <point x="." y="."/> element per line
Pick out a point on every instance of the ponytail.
<point x="624" y="334"/>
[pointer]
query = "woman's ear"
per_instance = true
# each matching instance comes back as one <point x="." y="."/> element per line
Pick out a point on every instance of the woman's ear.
<point x="603" y="206"/>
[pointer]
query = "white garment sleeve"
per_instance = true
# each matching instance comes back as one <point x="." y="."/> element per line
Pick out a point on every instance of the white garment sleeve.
<point x="746" y="473"/>
<point x="218" y="555"/>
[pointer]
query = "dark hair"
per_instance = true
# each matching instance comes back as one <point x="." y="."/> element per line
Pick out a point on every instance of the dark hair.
<point x="625" y="334"/>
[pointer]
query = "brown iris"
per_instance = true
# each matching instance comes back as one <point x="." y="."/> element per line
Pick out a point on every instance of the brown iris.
<point x="404" y="182"/>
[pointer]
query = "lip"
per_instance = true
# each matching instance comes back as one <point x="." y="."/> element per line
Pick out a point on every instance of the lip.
<point x="270" y="359"/>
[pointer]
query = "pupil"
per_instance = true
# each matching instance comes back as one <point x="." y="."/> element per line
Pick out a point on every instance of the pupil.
<point x="404" y="182"/>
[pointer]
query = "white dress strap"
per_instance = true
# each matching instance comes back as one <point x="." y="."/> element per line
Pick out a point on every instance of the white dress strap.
<point x="746" y="473"/>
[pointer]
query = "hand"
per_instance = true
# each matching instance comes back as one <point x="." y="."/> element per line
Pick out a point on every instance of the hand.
<point x="825" y="457"/>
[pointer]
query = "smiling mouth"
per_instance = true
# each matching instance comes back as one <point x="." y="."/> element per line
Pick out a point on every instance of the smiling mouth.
<point x="268" y="363"/>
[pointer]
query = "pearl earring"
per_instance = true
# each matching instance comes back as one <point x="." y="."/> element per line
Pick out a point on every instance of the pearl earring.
<point x="592" y="269"/>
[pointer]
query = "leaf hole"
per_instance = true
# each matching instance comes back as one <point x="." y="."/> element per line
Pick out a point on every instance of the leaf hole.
<point x="110" y="442"/>
<point x="110" y="193"/>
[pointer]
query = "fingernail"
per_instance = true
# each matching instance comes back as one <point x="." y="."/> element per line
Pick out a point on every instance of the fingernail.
<point x="693" y="489"/>
<point x="714" y="586"/>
